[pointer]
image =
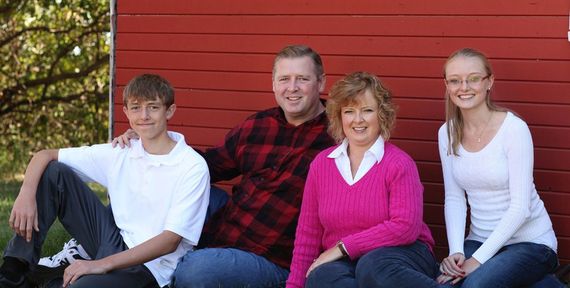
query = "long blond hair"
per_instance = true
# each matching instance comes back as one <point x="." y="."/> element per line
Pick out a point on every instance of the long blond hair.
<point x="453" y="116"/>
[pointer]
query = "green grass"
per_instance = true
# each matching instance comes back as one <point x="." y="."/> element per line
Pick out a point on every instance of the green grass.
<point x="57" y="235"/>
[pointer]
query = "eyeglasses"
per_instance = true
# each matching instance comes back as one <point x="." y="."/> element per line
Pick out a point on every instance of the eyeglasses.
<point x="471" y="81"/>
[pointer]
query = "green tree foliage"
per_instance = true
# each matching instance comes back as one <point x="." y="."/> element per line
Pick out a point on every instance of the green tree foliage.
<point x="54" y="77"/>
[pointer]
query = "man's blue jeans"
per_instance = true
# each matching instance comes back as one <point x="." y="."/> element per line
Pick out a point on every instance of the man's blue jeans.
<point x="402" y="266"/>
<point x="516" y="265"/>
<point x="226" y="267"/>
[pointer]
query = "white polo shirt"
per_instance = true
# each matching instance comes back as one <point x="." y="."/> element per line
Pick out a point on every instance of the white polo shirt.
<point x="150" y="193"/>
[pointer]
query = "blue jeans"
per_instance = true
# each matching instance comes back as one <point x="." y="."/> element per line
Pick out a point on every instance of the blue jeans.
<point x="226" y="267"/>
<point x="516" y="265"/>
<point x="402" y="266"/>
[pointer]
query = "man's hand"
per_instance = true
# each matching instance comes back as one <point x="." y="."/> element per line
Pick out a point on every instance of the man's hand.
<point x="332" y="254"/>
<point x="83" y="267"/>
<point x="123" y="140"/>
<point x="24" y="215"/>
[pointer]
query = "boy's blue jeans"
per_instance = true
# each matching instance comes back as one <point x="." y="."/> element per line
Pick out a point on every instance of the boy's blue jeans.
<point x="226" y="267"/>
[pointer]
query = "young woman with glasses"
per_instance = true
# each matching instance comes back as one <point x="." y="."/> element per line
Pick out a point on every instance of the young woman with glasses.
<point x="487" y="159"/>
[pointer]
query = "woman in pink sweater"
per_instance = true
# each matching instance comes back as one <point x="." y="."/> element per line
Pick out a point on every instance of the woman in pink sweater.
<point x="361" y="216"/>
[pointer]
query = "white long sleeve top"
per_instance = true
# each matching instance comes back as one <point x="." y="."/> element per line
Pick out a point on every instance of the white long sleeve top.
<point x="498" y="182"/>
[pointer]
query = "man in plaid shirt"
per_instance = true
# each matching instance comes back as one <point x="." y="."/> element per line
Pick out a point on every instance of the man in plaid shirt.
<point x="249" y="241"/>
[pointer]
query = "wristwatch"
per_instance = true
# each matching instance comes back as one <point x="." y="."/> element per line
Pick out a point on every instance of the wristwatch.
<point x="342" y="249"/>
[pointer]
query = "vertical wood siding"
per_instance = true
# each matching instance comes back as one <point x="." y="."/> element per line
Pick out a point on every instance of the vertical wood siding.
<point x="218" y="55"/>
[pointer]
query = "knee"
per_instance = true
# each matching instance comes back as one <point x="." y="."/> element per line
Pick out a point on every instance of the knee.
<point x="474" y="281"/>
<point x="196" y="270"/>
<point x="55" y="169"/>
<point x="377" y="261"/>
<point x="320" y="277"/>
<point x="323" y="276"/>
<point x="378" y="269"/>
<point x="86" y="281"/>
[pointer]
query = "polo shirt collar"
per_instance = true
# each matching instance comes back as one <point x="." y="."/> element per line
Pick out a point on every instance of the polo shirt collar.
<point x="172" y="158"/>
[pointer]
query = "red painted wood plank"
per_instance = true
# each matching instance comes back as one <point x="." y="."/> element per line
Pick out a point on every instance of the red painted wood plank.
<point x="224" y="100"/>
<point x="561" y="225"/>
<point x="433" y="214"/>
<point x="419" y="150"/>
<point x="378" y="25"/>
<point x="433" y="193"/>
<point x="197" y="61"/>
<point x="505" y="69"/>
<point x="364" y="7"/>
<point x="556" y="202"/>
<point x="511" y="48"/>
<point x="563" y="249"/>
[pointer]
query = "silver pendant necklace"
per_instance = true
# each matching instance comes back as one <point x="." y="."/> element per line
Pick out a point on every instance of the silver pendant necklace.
<point x="485" y="128"/>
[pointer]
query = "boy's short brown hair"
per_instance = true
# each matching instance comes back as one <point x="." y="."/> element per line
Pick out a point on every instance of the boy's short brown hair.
<point x="148" y="87"/>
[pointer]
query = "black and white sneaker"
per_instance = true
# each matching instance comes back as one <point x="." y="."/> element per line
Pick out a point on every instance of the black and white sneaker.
<point x="71" y="251"/>
<point x="53" y="266"/>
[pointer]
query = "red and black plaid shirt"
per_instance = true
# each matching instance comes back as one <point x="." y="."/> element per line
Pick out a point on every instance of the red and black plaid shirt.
<point x="273" y="158"/>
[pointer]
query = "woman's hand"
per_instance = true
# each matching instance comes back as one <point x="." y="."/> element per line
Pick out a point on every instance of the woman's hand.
<point x="123" y="140"/>
<point x="451" y="268"/>
<point x="455" y="267"/>
<point x="330" y="255"/>
<point x="442" y="279"/>
<point x="451" y="265"/>
<point x="470" y="265"/>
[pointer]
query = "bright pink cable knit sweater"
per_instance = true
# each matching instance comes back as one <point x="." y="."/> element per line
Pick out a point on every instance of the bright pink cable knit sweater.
<point x="384" y="208"/>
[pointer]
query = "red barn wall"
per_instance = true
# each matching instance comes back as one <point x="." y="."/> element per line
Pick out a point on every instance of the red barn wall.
<point x="218" y="55"/>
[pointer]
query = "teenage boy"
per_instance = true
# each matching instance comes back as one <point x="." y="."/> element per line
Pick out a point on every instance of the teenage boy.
<point x="158" y="190"/>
